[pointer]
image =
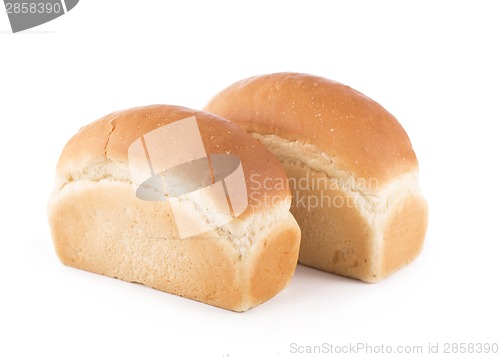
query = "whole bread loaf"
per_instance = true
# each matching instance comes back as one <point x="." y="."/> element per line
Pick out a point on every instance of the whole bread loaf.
<point x="108" y="216"/>
<point x="352" y="169"/>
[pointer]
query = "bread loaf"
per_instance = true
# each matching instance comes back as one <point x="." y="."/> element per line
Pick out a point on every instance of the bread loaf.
<point x="211" y="235"/>
<point x="352" y="169"/>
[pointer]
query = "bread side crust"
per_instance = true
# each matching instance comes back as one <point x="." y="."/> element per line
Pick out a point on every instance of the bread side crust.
<point x="115" y="234"/>
<point x="275" y="257"/>
<point x="403" y="234"/>
<point x="336" y="237"/>
<point x="358" y="235"/>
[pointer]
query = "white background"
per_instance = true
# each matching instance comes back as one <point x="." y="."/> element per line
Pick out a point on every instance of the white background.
<point x="434" y="65"/>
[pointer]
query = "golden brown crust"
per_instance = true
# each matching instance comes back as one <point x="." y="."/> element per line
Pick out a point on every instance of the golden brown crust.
<point x="109" y="138"/>
<point x="367" y="140"/>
